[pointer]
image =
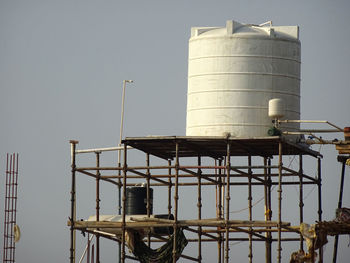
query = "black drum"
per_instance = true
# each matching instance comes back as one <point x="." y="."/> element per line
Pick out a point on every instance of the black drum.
<point x="136" y="200"/>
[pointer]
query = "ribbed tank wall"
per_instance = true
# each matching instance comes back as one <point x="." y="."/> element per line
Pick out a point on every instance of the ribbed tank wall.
<point x="233" y="72"/>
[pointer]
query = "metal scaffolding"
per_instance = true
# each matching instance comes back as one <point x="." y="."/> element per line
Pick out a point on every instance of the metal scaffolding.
<point x="186" y="164"/>
<point x="10" y="227"/>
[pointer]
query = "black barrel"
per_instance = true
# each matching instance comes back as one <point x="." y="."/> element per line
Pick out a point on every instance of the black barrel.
<point x="136" y="201"/>
<point x="167" y="230"/>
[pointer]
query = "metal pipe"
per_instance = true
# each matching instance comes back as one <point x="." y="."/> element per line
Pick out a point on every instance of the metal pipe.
<point x="73" y="202"/>
<point x="280" y="164"/>
<point x="148" y="206"/>
<point x="108" y="149"/>
<point x="169" y="188"/>
<point x="97" y="205"/>
<point x="312" y="121"/>
<point x="228" y="166"/>
<point x="124" y="204"/>
<point x="6" y="209"/>
<point x="176" y="199"/>
<point x="340" y="201"/>
<point x="267" y="209"/>
<point x="86" y="250"/>
<point x="310" y="131"/>
<point x="301" y="203"/>
<point x="322" y="141"/>
<point x="122" y="111"/>
<point x="319" y="184"/>
<point x="199" y="205"/>
<point x="219" y="194"/>
<point x="250" y="255"/>
<point x="119" y="155"/>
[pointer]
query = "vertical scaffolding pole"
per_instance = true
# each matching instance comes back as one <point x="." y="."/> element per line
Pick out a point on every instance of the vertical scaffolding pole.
<point x="319" y="184"/>
<point x="88" y="249"/>
<point x="280" y="166"/>
<point x="98" y="204"/>
<point x="11" y="184"/>
<point x="7" y="236"/>
<point x="228" y="169"/>
<point x="73" y="202"/>
<point x="176" y="199"/>
<point x="250" y="255"/>
<point x="119" y="201"/>
<point x="301" y="202"/>
<point x="219" y="193"/>
<point x="92" y="253"/>
<point x="148" y="206"/>
<point x="124" y="203"/>
<point x="340" y="203"/>
<point x="267" y="196"/>
<point x="199" y="205"/>
<point x="169" y="189"/>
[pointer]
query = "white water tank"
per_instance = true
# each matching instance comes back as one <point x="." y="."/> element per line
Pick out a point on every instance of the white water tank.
<point x="234" y="71"/>
<point x="276" y="108"/>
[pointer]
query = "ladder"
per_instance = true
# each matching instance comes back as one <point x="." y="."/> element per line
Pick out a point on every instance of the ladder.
<point x="10" y="208"/>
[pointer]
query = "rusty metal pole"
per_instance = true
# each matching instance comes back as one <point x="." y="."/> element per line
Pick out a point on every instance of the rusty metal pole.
<point x="119" y="202"/>
<point x="88" y="249"/>
<point x="219" y="212"/>
<point x="301" y="203"/>
<point x="119" y="152"/>
<point x="98" y="174"/>
<point x="340" y="202"/>
<point x="176" y="199"/>
<point x="269" y="214"/>
<point x="148" y="206"/>
<point x="169" y="188"/>
<point x="92" y="253"/>
<point x="319" y="184"/>
<point x="280" y="165"/>
<point x="250" y="255"/>
<point x="228" y="169"/>
<point x="199" y="205"/>
<point x="124" y="203"/>
<point x="73" y="202"/>
<point x="267" y="211"/>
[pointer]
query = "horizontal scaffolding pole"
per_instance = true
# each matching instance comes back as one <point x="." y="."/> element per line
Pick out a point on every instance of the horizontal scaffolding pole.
<point x="151" y="222"/>
<point x="108" y="149"/>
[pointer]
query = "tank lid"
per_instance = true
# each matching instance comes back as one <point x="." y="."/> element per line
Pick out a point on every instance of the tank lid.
<point x="239" y="29"/>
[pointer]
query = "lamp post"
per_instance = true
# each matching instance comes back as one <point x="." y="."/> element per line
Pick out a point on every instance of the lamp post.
<point x="119" y="153"/>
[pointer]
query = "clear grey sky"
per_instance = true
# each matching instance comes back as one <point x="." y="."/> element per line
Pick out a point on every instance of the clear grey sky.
<point x="61" y="69"/>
